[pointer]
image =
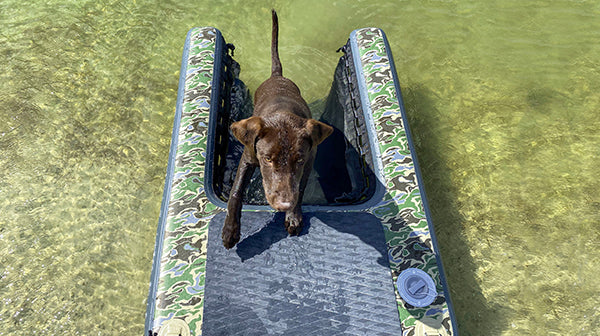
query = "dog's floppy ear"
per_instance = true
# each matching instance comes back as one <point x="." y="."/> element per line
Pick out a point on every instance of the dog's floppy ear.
<point x="247" y="130"/>
<point x="318" y="131"/>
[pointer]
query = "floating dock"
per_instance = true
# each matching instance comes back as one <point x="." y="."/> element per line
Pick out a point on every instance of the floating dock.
<point x="366" y="262"/>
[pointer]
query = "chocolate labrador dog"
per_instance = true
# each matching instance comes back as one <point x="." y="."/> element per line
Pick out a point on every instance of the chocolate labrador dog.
<point x="281" y="139"/>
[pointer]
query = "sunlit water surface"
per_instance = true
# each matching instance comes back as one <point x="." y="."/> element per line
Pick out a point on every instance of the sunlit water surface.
<point x="503" y="100"/>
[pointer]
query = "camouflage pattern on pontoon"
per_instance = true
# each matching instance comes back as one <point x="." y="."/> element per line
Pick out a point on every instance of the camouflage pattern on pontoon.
<point x="402" y="211"/>
<point x="180" y="291"/>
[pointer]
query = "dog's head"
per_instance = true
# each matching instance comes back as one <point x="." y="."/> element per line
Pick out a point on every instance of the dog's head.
<point x="283" y="150"/>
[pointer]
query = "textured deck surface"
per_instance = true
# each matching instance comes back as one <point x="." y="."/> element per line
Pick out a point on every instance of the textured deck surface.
<point x="333" y="279"/>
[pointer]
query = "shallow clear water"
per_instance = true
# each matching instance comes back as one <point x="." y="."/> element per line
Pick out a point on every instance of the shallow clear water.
<point x="503" y="100"/>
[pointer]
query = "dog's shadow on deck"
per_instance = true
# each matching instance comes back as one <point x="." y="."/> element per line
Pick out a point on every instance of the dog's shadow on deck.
<point x="318" y="228"/>
<point x="258" y="242"/>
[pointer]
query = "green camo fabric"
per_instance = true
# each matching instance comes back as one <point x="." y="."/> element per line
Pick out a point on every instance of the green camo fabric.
<point x="402" y="211"/>
<point x="180" y="292"/>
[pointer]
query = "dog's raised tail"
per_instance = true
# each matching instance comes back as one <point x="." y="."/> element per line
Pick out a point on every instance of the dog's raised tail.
<point x="276" y="69"/>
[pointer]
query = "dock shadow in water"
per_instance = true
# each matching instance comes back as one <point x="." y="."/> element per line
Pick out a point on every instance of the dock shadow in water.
<point x="473" y="312"/>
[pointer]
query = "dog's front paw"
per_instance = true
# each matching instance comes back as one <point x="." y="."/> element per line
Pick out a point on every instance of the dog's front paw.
<point x="231" y="232"/>
<point x="293" y="223"/>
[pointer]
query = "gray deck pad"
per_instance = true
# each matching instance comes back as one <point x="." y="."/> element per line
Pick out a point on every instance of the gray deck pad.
<point x="332" y="279"/>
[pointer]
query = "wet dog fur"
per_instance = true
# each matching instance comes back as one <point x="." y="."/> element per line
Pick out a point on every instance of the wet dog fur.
<point x="281" y="139"/>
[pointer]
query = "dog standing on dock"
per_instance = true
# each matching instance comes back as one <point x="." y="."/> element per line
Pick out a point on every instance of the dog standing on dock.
<point x="281" y="139"/>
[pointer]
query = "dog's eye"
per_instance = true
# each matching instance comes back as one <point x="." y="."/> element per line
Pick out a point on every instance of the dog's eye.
<point x="300" y="161"/>
<point x="268" y="159"/>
